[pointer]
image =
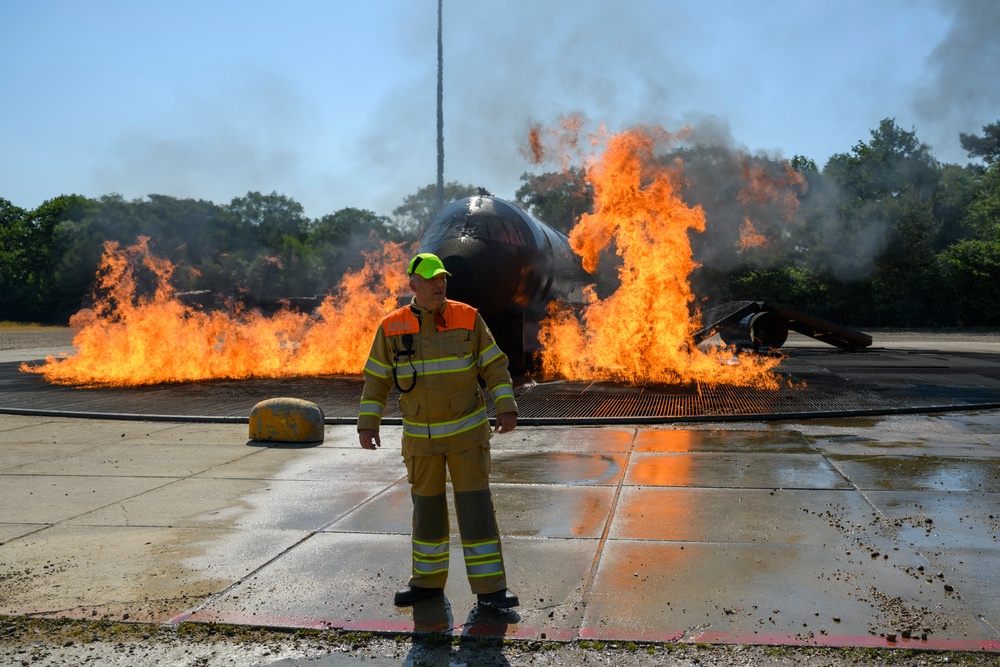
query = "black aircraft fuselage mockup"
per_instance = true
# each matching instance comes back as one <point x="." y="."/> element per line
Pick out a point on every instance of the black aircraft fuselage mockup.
<point x="507" y="264"/>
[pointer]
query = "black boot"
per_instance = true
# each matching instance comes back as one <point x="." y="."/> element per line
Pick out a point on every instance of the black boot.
<point x="405" y="597"/>
<point x="500" y="599"/>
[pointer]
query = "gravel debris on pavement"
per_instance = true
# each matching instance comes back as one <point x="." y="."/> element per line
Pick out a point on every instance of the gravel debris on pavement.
<point x="59" y="642"/>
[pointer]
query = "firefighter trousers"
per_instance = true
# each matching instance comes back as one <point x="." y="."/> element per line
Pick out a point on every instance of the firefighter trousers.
<point x="469" y="470"/>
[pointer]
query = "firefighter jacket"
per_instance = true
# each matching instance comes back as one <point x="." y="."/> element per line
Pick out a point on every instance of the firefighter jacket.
<point x="436" y="359"/>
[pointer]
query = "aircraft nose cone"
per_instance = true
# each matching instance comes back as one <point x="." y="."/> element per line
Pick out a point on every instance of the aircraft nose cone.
<point x="484" y="275"/>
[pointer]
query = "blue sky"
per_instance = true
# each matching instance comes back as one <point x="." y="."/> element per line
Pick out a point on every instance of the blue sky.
<point x="333" y="103"/>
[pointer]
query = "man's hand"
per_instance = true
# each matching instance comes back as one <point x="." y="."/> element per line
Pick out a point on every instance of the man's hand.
<point x="506" y="422"/>
<point x="369" y="438"/>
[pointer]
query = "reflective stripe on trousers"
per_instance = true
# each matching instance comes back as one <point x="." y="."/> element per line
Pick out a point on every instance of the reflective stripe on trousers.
<point x="481" y="545"/>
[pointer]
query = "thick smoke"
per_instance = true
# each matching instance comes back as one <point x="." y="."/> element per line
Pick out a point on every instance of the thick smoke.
<point x="792" y="218"/>
<point x="961" y="88"/>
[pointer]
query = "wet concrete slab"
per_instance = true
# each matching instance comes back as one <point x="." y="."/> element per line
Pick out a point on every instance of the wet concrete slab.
<point x="149" y="573"/>
<point x="975" y="577"/>
<point x="799" y="592"/>
<point x="686" y="440"/>
<point x="337" y="466"/>
<point x="517" y="466"/>
<point x="734" y="515"/>
<point x="843" y="532"/>
<point x="716" y="469"/>
<point x="918" y="473"/>
<point x="138" y="459"/>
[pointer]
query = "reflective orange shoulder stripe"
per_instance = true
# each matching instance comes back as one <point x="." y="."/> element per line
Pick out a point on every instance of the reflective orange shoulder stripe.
<point x="400" y="321"/>
<point x="459" y="315"/>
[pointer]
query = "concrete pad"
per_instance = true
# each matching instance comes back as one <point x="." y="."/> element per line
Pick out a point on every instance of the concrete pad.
<point x="659" y="590"/>
<point x="734" y="531"/>
<point x="527" y="510"/>
<point x="51" y="499"/>
<point x="234" y="503"/>
<point x="11" y="422"/>
<point x="974" y="575"/>
<point x="932" y="520"/>
<point x="10" y="531"/>
<point x="746" y="471"/>
<point x="567" y="439"/>
<point x="79" y="431"/>
<point x="16" y="454"/>
<point x="333" y="580"/>
<point x="978" y="422"/>
<point x="522" y="510"/>
<point x="846" y="445"/>
<point x="738" y="515"/>
<point x="918" y="429"/>
<point x="333" y="465"/>
<point x="143" y="570"/>
<point x="389" y="511"/>
<point x="519" y="467"/>
<point x="922" y="473"/>
<point x="688" y="440"/>
<point x="345" y="436"/>
<point x="337" y="578"/>
<point x="139" y="459"/>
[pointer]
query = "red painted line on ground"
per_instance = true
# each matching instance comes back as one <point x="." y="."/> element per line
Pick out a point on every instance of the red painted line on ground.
<point x="621" y="634"/>
<point x="518" y="631"/>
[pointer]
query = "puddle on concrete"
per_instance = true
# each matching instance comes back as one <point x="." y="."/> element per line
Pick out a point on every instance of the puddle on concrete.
<point x="662" y="440"/>
<point x="922" y="473"/>
<point x="558" y="468"/>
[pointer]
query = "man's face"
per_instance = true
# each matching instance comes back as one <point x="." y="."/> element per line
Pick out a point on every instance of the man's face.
<point x="430" y="293"/>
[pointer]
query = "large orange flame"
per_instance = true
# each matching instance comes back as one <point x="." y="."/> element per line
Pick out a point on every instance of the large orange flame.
<point x="643" y="331"/>
<point x="750" y="237"/>
<point x="131" y="339"/>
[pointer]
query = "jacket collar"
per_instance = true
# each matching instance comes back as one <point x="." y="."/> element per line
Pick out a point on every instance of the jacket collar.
<point x="420" y="310"/>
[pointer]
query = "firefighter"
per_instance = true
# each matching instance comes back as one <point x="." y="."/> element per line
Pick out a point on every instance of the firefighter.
<point x="433" y="351"/>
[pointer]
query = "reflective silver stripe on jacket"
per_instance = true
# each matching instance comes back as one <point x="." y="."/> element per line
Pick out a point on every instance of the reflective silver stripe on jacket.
<point x="482" y="559"/>
<point x="377" y="369"/>
<point x="430" y="557"/>
<point x="450" y="365"/>
<point x="445" y="429"/>
<point x="488" y="355"/>
<point x="372" y="408"/>
<point x="503" y="391"/>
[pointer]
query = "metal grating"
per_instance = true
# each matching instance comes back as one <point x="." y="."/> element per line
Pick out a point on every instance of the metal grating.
<point x="827" y="383"/>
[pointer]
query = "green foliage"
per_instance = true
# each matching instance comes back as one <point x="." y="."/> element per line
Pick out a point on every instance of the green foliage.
<point x="557" y="198"/>
<point x="987" y="146"/>
<point x="804" y="165"/>
<point x="984" y="210"/>
<point x="970" y="282"/>
<point x="30" y="253"/>
<point x="419" y="208"/>
<point x="336" y="241"/>
<point x="893" y="162"/>
<point x="274" y="218"/>
<point x="884" y="235"/>
<point x="789" y="285"/>
<point x="956" y="190"/>
<point x="890" y="186"/>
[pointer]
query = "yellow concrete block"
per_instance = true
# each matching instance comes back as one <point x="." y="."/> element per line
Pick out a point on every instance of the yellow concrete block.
<point x="286" y="420"/>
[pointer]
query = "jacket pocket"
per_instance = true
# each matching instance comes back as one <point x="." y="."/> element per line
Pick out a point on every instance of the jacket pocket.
<point x="458" y="344"/>
<point x="465" y="403"/>
<point x="408" y="408"/>
<point x="484" y="452"/>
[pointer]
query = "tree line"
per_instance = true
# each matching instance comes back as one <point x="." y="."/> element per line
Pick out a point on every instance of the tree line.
<point x="882" y="235"/>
